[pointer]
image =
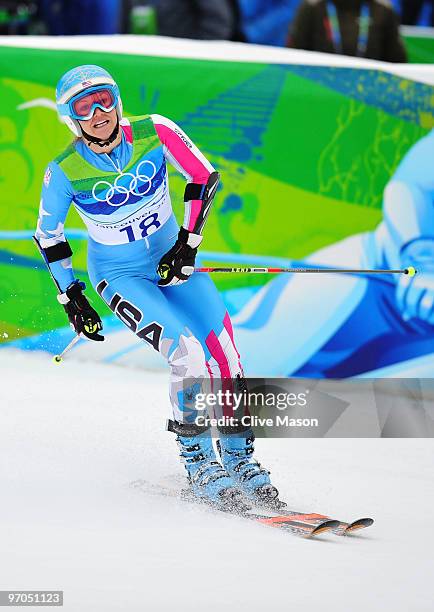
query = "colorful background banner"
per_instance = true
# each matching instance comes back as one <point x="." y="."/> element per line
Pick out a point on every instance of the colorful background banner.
<point x="304" y="151"/>
<point x="419" y="43"/>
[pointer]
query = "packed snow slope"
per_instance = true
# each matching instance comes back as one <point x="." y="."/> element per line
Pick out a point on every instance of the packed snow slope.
<point x="72" y="438"/>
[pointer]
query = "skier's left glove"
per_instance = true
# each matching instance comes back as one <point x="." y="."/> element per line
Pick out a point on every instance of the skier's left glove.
<point x="82" y="317"/>
<point x="177" y="265"/>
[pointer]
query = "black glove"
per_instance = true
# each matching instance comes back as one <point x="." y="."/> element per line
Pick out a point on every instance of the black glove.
<point x="82" y="317"/>
<point x="177" y="265"/>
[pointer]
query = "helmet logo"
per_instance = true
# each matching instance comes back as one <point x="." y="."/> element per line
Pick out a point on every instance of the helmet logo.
<point x="86" y="83"/>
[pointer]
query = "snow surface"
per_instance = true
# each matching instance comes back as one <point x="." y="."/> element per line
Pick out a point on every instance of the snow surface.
<point x="72" y="438"/>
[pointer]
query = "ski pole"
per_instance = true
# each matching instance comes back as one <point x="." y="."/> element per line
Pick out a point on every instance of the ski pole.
<point x="265" y="270"/>
<point x="59" y="358"/>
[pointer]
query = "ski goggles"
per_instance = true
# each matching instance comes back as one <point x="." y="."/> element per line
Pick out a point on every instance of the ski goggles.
<point x="82" y="106"/>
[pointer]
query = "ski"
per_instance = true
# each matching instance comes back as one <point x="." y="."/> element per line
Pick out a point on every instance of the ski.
<point x="303" y="525"/>
<point x="295" y="524"/>
<point x="342" y="528"/>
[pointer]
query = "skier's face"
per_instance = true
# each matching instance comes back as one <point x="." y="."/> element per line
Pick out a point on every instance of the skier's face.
<point x="101" y="124"/>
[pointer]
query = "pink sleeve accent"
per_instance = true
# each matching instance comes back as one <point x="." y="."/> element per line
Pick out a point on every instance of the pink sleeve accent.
<point x="193" y="214"/>
<point x="191" y="164"/>
<point x="188" y="159"/>
<point x="128" y="133"/>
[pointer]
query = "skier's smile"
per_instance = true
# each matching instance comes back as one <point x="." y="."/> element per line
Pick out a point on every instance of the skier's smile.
<point x="101" y="124"/>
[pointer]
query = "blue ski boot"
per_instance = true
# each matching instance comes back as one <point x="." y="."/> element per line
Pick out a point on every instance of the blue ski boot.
<point x="208" y="480"/>
<point x="236" y="452"/>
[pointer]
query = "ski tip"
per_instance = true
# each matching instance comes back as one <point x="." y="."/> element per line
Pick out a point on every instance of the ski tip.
<point x="359" y="524"/>
<point x="323" y="527"/>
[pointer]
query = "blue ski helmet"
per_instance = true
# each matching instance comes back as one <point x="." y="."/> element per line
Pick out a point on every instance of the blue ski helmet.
<point x="76" y="81"/>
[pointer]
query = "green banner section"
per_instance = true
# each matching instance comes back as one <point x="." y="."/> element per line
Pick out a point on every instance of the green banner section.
<point x="420" y="49"/>
<point x="304" y="153"/>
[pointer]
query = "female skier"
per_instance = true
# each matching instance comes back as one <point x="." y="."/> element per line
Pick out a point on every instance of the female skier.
<point x="139" y="260"/>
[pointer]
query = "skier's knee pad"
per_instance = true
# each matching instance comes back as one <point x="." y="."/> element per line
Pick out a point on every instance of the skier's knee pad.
<point x="188" y="358"/>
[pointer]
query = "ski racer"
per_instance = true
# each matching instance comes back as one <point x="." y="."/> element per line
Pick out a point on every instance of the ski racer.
<point x="142" y="265"/>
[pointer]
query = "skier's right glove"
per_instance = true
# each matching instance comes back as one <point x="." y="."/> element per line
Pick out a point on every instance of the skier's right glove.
<point x="177" y="265"/>
<point x="82" y="317"/>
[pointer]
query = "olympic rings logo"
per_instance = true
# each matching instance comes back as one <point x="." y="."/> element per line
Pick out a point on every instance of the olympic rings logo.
<point x="117" y="189"/>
